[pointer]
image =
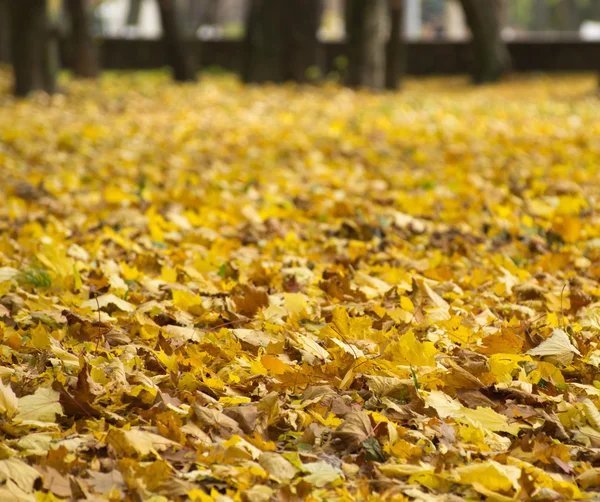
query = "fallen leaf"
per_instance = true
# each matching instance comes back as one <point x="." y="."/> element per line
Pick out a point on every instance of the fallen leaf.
<point x="42" y="406"/>
<point x="558" y="347"/>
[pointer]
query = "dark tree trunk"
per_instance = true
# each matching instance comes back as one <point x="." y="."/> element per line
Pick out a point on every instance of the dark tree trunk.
<point x="31" y="48"/>
<point x="4" y="32"/>
<point x="51" y="56"/>
<point x="568" y="14"/>
<point x="85" y="54"/>
<point x="133" y="13"/>
<point x="281" y="40"/>
<point x="302" y="49"/>
<point x="200" y="12"/>
<point x="210" y="11"/>
<point x="177" y="55"/>
<point x="492" y="59"/>
<point x="263" y="45"/>
<point x="396" y="48"/>
<point x="366" y="29"/>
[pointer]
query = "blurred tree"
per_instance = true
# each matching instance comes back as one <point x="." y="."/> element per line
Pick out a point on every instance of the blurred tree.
<point x="84" y="51"/>
<point x="539" y="18"/>
<point x="396" y="48"/>
<point x="33" y="55"/>
<point x="204" y="12"/>
<point x="210" y="12"/>
<point x="4" y="32"/>
<point x="568" y="15"/>
<point x="303" y="50"/>
<point x="492" y="59"/>
<point x="281" y="40"/>
<point x="263" y="44"/>
<point x="133" y="12"/>
<point x="178" y="57"/>
<point x="366" y="30"/>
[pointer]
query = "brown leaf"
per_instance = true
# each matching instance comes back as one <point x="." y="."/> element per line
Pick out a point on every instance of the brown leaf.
<point x="73" y="407"/>
<point x="55" y="482"/>
<point x="245" y="416"/>
<point x="249" y="299"/>
<point x="216" y="420"/>
<point x="104" y="482"/>
<point x="355" y="429"/>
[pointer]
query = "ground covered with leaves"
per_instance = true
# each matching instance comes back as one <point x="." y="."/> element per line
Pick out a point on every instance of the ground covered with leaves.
<point x="220" y="293"/>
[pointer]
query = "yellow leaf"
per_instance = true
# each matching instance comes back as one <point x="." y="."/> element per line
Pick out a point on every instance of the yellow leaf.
<point x="104" y="301"/>
<point x="380" y="311"/>
<point x="77" y="282"/>
<point x="346" y="328"/>
<point x="329" y="421"/>
<point x="130" y="273"/>
<point x="274" y="365"/>
<point x="400" y="315"/>
<point x="197" y="494"/>
<point x="42" y="406"/>
<point x="232" y="441"/>
<point x="490" y="474"/>
<point x="591" y="413"/>
<point x="9" y="403"/>
<point x="187" y="301"/>
<point x="502" y="366"/>
<point x="137" y="442"/>
<point x="233" y="401"/>
<point x="257" y="368"/>
<point x="568" y="227"/>
<point x="280" y="469"/>
<point x="558" y="348"/>
<point x="168" y="274"/>
<point x="406" y="303"/>
<point x="550" y="373"/>
<point x="40" y="337"/>
<point x="169" y="362"/>
<point x="18" y="472"/>
<point x="487" y="419"/>
<point x="443" y="404"/>
<point x="114" y="195"/>
<point x="295" y="303"/>
<point x="410" y="352"/>
<point x="402" y="470"/>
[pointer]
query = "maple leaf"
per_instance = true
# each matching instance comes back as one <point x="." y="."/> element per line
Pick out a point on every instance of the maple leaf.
<point x="42" y="406"/>
<point x="9" y="404"/>
<point x="558" y="347"/>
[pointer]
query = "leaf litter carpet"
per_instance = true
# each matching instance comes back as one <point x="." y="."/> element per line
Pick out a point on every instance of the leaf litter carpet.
<point x="219" y="293"/>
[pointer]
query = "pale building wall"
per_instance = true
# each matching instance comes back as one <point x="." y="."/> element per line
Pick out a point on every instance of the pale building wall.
<point x="412" y="18"/>
<point x="455" y="26"/>
<point x="114" y="13"/>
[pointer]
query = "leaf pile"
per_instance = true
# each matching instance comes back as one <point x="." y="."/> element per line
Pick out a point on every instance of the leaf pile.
<point x="220" y="293"/>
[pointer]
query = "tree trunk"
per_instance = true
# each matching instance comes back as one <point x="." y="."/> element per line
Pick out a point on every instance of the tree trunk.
<point x="4" y="32"/>
<point x="492" y="59"/>
<point x="133" y="13"/>
<point x="210" y="12"/>
<point x="396" y="48"/>
<point x="281" y="41"/>
<point x="177" y="55"/>
<point x="568" y="15"/>
<point x="31" y="47"/>
<point x="51" y="58"/>
<point x="539" y="19"/>
<point x="85" y="60"/>
<point x="263" y="45"/>
<point x="366" y="26"/>
<point x="302" y="58"/>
